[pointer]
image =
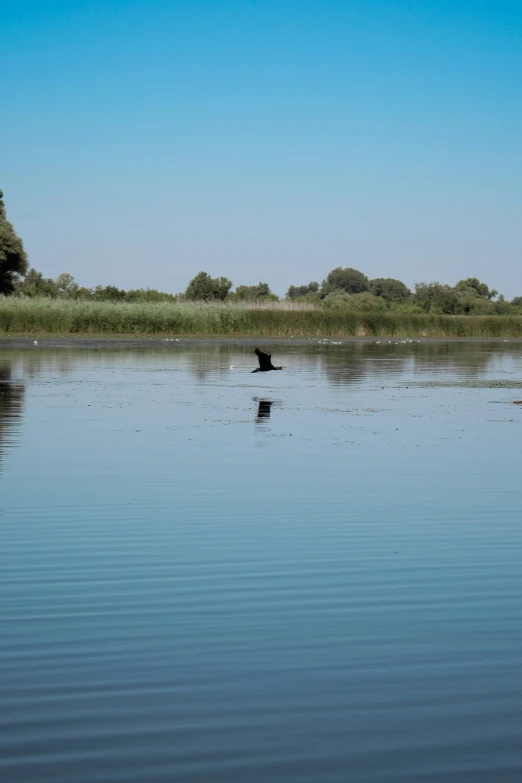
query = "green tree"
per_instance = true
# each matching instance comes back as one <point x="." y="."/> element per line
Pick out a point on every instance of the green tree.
<point x="367" y="302"/>
<point x="408" y="309"/>
<point x="206" y="288"/>
<point x="349" y="280"/>
<point x="66" y="285"/>
<point x="259" y="291"/>
<point x="466" y="300"/>
<point x="502" y="306"/>
<point x="109" y="293"/>
<point x="436" y="298"/>
<point x="481" y="307"/>
<point x="390" y="290"/>
<point x="474" y="284"/>
<point x="82" y="293"/>
<point x="148" y="295"/>
<point x="295" y="291"/>
<point x="361" y="303"/>
<point x="35" y="284"/>
<point x="13" y="258"/>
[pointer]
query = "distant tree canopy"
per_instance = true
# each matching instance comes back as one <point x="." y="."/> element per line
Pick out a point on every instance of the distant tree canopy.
<point x="389" y="289"/>
<point x="109" y="293"/>
<point x="252" y="292"/>
<point x="66" y="285"/>
<point x="206" y="288"/>
<point x="435" y="297"/>
<point x="149" y="295"/>
<point x="363" y="302"/>
<point x="349" y="288"/>
<point x="35" y="284"/>
<point x="465" y="298"/>
<point x="13" y="258"/>
<point x="349" y="280"/>
<point x="473" y="284"/>
<point x="302" y="290"/>
<point x="343" y="289"/>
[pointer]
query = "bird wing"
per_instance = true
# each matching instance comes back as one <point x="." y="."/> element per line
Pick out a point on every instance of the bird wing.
<point x="265" y="359"/>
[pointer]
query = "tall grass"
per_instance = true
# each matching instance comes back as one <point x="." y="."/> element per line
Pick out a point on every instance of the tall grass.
<point x="65" y="317"/>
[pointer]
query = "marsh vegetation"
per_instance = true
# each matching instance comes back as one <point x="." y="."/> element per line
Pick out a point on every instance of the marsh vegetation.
<point x="64" y="317"/>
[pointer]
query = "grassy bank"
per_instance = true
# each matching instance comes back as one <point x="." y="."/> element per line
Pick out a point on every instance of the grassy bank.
<point x="64" y="318"/>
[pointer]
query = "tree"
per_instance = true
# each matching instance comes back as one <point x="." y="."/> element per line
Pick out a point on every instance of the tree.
<point x="349" y="280"/>
<point x="66" y="285"/>
<point x="206" y="288"/>
<point x="481" y="306"/>
<point x="82" y="293"/>
<point x="389" y="289"/>
<point x="502" y="306"/>
<point x="367" y="302"/>
<point x="148" y="295"/>
<point x="480" y="289"/>
<point x="361" y="303"/>
<point x="302" y="290"/>
<point x="108" y="294"/>
<point x="13" y="258"/>
<point x="35" y="284"/>
<point x="259" y="291"/>
<point x="436" y="298"/>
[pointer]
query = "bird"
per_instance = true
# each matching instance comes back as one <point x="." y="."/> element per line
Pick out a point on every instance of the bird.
<point x="265" y="362"/>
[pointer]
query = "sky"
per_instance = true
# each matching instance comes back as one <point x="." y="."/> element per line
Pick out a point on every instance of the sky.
<point x="264" y="140"/>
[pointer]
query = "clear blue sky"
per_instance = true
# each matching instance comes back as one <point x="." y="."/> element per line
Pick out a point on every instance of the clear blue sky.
<point x="142" y="142"/>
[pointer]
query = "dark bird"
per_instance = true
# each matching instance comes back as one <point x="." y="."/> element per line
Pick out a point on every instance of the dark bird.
<point x="265" y="362"/>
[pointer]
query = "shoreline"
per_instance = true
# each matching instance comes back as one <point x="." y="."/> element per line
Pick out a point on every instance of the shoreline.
<point x="123" y="341"/>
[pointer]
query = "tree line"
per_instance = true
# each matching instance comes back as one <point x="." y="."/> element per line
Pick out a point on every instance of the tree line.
<point x="352" y="289"/>
<point x="343" y="288"/>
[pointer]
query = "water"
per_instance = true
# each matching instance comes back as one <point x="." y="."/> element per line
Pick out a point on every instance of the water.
<point x="310" y="576"/>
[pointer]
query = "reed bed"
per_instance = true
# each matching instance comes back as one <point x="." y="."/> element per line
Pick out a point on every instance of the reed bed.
<point x="276" y="319"/>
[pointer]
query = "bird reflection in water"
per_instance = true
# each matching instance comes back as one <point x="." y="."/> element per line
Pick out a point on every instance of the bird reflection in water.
<point x="263" y="410"/>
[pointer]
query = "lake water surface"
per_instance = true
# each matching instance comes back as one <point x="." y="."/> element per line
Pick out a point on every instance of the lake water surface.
<point x="309" y="576"/>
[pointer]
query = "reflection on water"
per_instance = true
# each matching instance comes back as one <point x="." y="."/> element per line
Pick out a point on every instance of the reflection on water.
<point x="345" y="364"/>
<point x="341" y="604"/>
<point x="264" y="407"/>
<point x="263" y="410"/>
<point x="11" y="403"/>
